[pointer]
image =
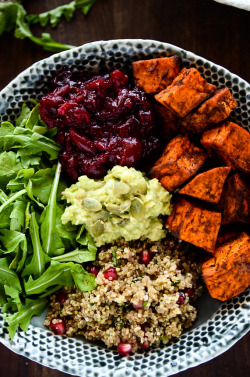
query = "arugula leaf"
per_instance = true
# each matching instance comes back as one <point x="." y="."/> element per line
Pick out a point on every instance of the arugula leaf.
<point x="67" y="11"/>
<point x="42" y="183"/>
<point x="77" y="255"/>
<point x="14" y="294"/>
<point x="5" y="218"/>
<point x="21" y="120"/>
<point x="17" y="215"/>
<point x="23" y="316"/>
<point x="8" y="276"/>
<point x="9" y="167"/>
<point x="37" y="265"/>
<point x="21" y="180"/>
<point x="85" y="239"/>
<point x="31" y="141"/>
<point x="51" y="241"/>
<point x="56" y="274"/>
<point x="14" y="242"/>
<point x="5" y="129"/>
<point x="8" y="14"/>
<point x="82" y="279"/>
<point x="12" y="198"/>
<point x="3" y="196"/>
<point x="29" y="190"/>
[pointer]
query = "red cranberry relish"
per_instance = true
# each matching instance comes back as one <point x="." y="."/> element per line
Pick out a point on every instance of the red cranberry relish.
<point x="102" y="122"/>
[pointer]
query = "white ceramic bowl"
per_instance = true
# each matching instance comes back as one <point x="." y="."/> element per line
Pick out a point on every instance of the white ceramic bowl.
<point x="219" y="325"/>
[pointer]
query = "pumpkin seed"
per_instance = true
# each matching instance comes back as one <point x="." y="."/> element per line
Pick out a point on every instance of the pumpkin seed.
<point x="142" y="187"/>
<point x="91" y="204"/>
<point x="98" y="228"/>
<point x="102" y="215"/>
<point x="121" y="188"/>
<point x="124" y="222"/>
<point x="137" y="209"/>
<point x="113" y="208"/>
<point x="125" y="206"/>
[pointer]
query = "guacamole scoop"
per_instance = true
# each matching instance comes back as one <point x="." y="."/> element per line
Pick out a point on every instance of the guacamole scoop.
<point x="124" y="204"/>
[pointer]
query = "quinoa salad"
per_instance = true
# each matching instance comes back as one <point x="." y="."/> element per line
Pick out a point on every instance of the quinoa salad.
<point x="144" y="296"/>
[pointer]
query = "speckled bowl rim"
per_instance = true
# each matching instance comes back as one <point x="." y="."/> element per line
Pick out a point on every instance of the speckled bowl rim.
<point x="205" y="352"/>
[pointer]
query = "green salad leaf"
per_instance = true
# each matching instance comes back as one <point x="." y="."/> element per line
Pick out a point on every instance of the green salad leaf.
<point x="51" y="241"/>
<point x="23" y="316"/>
<point x="13" y="16"/>
<point x="77" y="255"/>
<point x="36" y="267"/>
<point x="38" y="254"/>
<point x="9" y="167"/>
<point x="67" y="11"/>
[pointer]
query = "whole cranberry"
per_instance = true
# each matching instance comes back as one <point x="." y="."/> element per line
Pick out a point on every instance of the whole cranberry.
<point x="124" y="348"/>
<point x="61" y="297"/>
<point x="93" y="270"/>
<point x="58" y="326"/>
<point x="110" y="274"/>
<point x="181" y="299"/>
<point x="145" y="257"/>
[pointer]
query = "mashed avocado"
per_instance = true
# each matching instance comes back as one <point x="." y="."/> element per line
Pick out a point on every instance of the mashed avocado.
<point x="124" y="204"/>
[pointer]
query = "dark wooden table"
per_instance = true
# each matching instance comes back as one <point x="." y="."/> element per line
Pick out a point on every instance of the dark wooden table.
<point x="214" y="31"/>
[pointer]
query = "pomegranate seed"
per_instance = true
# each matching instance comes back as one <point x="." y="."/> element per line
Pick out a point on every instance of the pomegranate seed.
<point x="58" y="326"/>
<point x="139" y="305"/>
<point x="94" y="270"/>
<point x="181" y="299"/>
<point x="190" y="292"/>
<point x="144" y="257"/>
<point x="124" y="348"/>
<point x="61" y="297"/>
<point x="110" y="274"/>
<point x="145" y="345"/>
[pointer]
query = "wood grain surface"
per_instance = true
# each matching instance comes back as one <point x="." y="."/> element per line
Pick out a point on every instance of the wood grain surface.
<point x="217" y="32"/>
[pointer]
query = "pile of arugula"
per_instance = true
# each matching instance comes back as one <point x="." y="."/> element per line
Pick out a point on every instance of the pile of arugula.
<point x="13" y="16"/>
<point x="38" y="254"/>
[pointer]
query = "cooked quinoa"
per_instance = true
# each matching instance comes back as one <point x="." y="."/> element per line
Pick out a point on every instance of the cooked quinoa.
<point x="145" y="303"/>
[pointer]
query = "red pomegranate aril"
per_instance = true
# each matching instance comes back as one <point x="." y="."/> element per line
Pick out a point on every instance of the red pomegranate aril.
<point x="124" y="348"/>
<point x="190" y="292"/>
<point x="145" y="257"/>
<point x="93" y="270"/>
<point x="145" y="345"/>
<point x="181" y="299"/>
<point x="110" y="274"/>
<point x="83" y="143"/>
<point x="139" y="305"/>
<point x="58" y="326"/>
<point x="61" y="297"/>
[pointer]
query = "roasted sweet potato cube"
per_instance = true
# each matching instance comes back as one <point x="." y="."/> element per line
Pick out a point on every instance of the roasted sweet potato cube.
<point x="186" y="92"/>
<point x="166" y="120"/>
<point x="207" y="186"/>
<point x="235" y="200"/>
<point x="227" y="234"/>
<point x="230" y="143"/>
<point x="227" y="274"/>
<point x="179" y="162"/>
<point x="194" y="224"/>
<point x="154" y="75"/>
<point x="212" y="111"/>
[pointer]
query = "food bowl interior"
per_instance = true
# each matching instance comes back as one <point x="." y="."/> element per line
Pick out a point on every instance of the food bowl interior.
<point x="219" y="325"/>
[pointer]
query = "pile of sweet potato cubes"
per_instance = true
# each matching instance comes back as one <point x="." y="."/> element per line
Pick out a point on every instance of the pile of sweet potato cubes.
<point x="200" y="139"/>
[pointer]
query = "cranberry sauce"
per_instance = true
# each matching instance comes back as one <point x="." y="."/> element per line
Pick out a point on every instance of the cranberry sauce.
<point x="102" y="122"/>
